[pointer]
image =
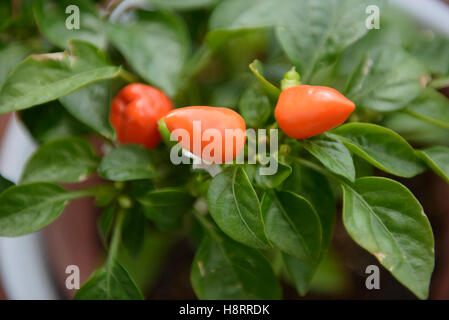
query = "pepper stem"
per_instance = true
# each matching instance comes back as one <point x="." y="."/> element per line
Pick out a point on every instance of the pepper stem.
<point x="291" y="79"/>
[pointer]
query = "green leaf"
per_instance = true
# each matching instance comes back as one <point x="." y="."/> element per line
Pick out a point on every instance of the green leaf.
<point x="381" y="147"/>
<point x="105" y="223"/>
<point x="157" y="50"/>
<point x="431" y="106"/>
<point x="333" y="154"/>
<point x="234" y="206"/>
<point x="311" y="32"/>
<point x="5" y="184"/>
<point x="384" y="218"/>
<point x="62" y="160"/>
<point x="90" y="105"/>
<point x="10" y="56"/>
<point x="292" y="224"/>
<point x="225" y="269"/>
<point x="51" y="19"/>
<point x="315" y="188"/>
<point x="28" y="208"/>
<point x="255" y="107"/>
<point x="432" y="49"/>
<point x="386" y="79"/>
<point x="46" y="77"/>
<point x="54" y="122"/>
<point x="437" y="158"/>
<point x="117" y="286"/>
<point x="274" y="180"/>
<point x="166" y="207"/>
<point x="271" y="90"/>
<point x="127" y="162"/>
<point x="133" y="231"/>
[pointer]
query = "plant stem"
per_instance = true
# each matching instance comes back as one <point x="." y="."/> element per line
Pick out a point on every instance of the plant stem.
<point x="127" y="76"/>
<point x="89" y="192"/>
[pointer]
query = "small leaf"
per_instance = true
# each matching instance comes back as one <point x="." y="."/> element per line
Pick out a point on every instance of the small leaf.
<point x="225" y="269"/>
<point x="62" y="160"/>
<point x="165" y="207"/>
<point x="116" y="286"/>
<point x="105" y="223"/>
<point x="437" y="158"/>
<point x="381" y="147"/>
<point x="28" y="208"/>
<point x="333" y="154"/>
<point x="157" y="50"/>
<point x="292" y="224"/>
<point x="127" y="162"/>
<point x="257" y="68"/>
<point x="51" y="18"/>
<point x="384" y="217"/>
<point x="45" y="77"/>
<point x="234" y="206"/>
<point x="431" y="106"/>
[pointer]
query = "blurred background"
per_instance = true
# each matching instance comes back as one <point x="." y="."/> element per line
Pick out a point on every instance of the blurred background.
<point x="33" y="266"/>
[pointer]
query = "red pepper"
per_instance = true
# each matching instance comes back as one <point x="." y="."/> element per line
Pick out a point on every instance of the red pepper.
<point x="205" y="118"/>
<point x="135" y="112"/>
<point x="305" y="111"/>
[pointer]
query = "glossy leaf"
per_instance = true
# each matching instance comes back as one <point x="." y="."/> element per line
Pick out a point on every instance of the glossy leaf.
<point x="234" y="206"/>
<point x="46" y="77"/>
<point x="61" y="160"/>
<point x="431" y="106"/>
<point x="127" y="162"/>
<point x="333" y="154"/>
<point x="166" y="207"/>
<point x="157" y="50"/>
<point x="292" y="224"/>
<point x="437" y="158"/>
<point x="118" y="285"/>
<point x="386" y="79"/>
<point x="384" y="217"/>
<point x="225" y="269"/>
<point x="28" y="208"/>
<point x="381" y="147"/>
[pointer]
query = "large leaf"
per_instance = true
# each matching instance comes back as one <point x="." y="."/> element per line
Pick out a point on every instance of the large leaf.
<point x="437" y="159"/>
<point x="61" y="160"/>
<point x="386" y="78"/>
<point x="127" y="162"/>
<point x="166" y="207"/>
<point x="225" y="269"/>
<point x="28" y="208"/>
<point x="51" y="19"/>
<point x="384" y="217"/>
<point x="234" y="205"/>
<point x="333" y="154"/>
<point x="5" y="184"/>
<point x="113" y="283"/>
<point x="381" y="147"/>
<point x="433" y="50"/>
<point x="10" y="56"/>
<point x="157" y="49"/>
<point x="45" y="77"/>
<point x="315" y="188"/>
<point x="431" y="106"/>
<point x="293" y="225"/>
<point x="310" y="31"/>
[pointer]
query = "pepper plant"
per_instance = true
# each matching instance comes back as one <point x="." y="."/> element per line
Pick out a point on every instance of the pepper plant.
<point x="250" y="231"/>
